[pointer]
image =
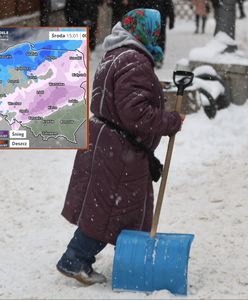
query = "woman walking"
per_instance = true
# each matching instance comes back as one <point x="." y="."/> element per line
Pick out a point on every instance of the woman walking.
<point x="111" y="182"/>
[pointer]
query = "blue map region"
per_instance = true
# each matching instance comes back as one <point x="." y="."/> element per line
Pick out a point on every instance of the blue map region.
<point x="44" y="48"/>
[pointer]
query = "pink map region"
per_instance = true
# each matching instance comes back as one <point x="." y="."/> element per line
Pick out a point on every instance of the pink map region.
<point x="60" y="70"/>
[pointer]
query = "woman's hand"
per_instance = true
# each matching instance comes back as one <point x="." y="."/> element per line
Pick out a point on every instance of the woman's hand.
<point x="182" y="116"/>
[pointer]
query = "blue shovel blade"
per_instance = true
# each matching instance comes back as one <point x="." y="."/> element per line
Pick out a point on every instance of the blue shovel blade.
<point x="142" y="263"/>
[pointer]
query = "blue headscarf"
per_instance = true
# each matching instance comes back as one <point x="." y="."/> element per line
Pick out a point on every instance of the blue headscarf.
<point x="145" y="24"/>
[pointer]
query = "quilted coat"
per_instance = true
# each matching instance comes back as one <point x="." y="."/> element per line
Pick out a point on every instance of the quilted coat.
<point x="110" y="187"/>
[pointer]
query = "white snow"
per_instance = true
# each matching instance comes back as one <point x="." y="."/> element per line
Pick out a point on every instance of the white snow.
<point x="204" y="100"/>
<point x="213" y="51"/>
<point x="215" y="88"/>
<point x="206" y="195"/>
<point x="205" y="69"/>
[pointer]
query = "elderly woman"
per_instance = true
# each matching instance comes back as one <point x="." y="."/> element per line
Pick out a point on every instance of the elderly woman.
<point x="111" y="183"/>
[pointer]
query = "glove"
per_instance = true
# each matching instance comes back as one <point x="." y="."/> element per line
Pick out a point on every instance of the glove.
<point x="182" y="116"/>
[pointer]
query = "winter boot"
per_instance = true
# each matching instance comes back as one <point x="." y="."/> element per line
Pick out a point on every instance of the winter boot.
<point x="79" y="271"/>
<point x="242" y="15"/>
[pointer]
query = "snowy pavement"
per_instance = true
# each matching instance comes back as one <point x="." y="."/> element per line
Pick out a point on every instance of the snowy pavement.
<point x="206" y="195"/>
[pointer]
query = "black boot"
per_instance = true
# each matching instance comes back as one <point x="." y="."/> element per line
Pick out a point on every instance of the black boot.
<point x="77" y="261"/>
<point x="72" y="267"/>
<point x="242" y="15"/>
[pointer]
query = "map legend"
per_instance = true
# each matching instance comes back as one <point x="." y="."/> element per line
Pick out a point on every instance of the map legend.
<point x="4" y="134"/>
<point x="4" y="143"/>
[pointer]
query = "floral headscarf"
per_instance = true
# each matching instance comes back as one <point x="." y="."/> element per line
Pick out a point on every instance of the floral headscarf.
<point x="144" y="25"/>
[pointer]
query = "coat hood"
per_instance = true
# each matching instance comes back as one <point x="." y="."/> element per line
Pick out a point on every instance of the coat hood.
<point x="121" y="37"/>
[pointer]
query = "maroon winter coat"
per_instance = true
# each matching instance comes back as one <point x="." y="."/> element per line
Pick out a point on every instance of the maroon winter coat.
<point x="111" y="187"/>
<point x="200" y="7"/>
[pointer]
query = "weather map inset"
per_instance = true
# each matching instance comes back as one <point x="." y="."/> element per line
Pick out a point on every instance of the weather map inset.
<point x="43" y="87"/>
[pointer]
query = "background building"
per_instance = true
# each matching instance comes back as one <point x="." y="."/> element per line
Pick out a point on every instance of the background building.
<point x="24" y="9"/>
<point x="11" y="8"/>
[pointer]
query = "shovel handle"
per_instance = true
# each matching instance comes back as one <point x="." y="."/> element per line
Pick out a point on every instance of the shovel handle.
<point x="181" y="84"/>
<point x="164" y="176"/>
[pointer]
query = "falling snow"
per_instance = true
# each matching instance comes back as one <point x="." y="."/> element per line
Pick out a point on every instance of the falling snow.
<point x="206" y="195"/>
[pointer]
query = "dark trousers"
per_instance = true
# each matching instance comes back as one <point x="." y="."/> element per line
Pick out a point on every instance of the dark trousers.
<point x="241" y="8"/>
<point x="197" y="21"/>
<point x="81" y="252"/>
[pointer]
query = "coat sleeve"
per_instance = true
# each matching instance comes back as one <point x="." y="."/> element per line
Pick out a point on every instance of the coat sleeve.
<point x="135" y="103"/>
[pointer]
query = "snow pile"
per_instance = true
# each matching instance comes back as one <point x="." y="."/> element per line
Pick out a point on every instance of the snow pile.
<point x="213" y="52"/>
<point x="213" y="87"/>
<point x="205" y="69"/>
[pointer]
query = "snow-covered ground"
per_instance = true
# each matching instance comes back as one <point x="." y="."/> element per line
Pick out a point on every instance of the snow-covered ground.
<point x="206" y="195"/>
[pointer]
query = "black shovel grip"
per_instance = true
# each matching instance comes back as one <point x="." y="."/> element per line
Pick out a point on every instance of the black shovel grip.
<point x="182" y="79"/>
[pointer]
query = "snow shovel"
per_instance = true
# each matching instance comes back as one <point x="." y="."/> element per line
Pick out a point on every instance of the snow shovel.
<point x="155" y="261"/>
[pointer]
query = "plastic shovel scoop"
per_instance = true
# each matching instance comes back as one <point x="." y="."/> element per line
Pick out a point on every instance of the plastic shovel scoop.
<point x="155" y="261"/>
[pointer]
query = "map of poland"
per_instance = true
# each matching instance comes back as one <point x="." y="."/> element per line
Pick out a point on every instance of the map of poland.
<point x="43" y="87"/>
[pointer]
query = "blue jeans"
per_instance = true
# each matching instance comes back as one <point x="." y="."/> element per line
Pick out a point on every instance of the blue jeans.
<point x="80" y="253"/>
